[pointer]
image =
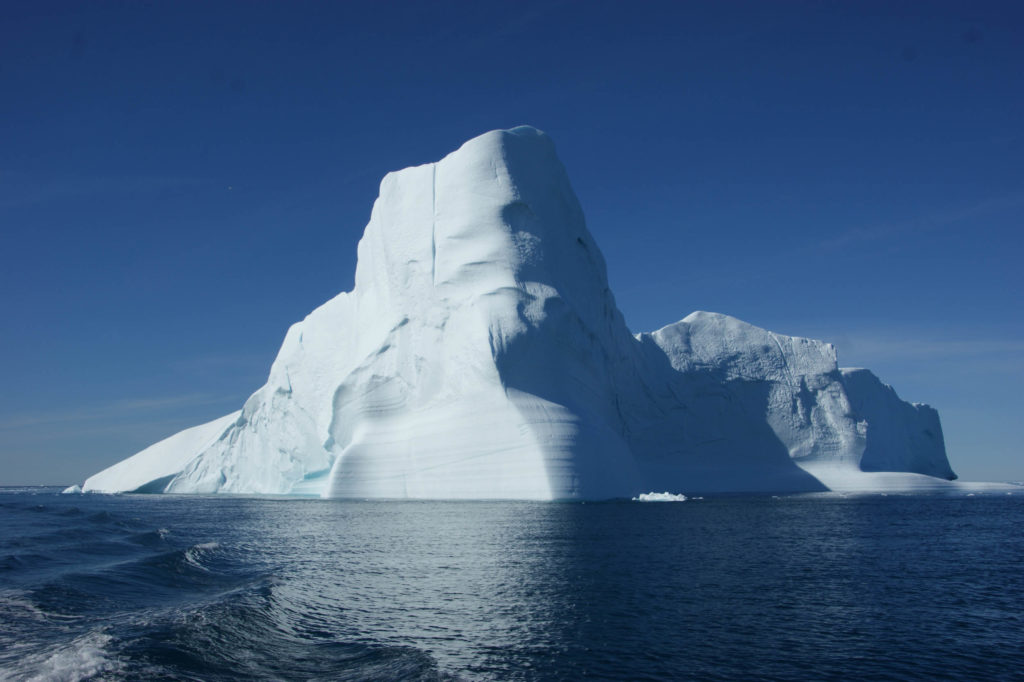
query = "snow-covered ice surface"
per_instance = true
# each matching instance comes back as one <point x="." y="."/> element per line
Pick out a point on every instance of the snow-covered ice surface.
<point x="155" y="467"/>
<point x="845" y="480"/>
<point x="481" y="355"/>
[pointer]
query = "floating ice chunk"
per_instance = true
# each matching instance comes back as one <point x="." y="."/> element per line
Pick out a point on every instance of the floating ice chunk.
<point x="660" y="497"/>
<point x="72" y="490"/>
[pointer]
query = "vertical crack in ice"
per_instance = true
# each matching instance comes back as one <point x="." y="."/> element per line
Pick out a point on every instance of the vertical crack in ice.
<point x="785" y="362"/>
<point x="433" y="225"/>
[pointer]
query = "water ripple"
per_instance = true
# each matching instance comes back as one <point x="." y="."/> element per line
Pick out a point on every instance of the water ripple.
<point x="802" y="587"/>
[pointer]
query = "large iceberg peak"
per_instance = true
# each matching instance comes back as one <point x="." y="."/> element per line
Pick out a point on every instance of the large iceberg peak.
<point x="487" y="292"/>
<point x="480" y="354"/>
<point x="497" y="214"/>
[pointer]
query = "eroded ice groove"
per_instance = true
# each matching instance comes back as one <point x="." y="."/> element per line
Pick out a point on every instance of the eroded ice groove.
<point x="481" y="355"/>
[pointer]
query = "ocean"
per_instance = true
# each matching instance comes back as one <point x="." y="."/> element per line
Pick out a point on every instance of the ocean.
<point x="801" y="587"/>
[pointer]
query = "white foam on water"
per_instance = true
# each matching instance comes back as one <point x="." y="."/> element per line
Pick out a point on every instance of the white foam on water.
<point x="193" y="555"/>
<point x="14" y="604"/>
<point x="84" y="657"/>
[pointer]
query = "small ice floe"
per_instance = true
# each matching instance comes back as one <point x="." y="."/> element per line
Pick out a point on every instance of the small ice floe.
<point x="660" y="497"/>
<point x="72" y="490"/>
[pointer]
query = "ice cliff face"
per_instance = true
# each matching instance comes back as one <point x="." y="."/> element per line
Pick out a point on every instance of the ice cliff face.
<point x="481" y="355"/>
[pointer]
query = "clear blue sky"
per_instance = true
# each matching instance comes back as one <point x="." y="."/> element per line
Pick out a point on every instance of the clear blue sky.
<point x="179" y="182"/>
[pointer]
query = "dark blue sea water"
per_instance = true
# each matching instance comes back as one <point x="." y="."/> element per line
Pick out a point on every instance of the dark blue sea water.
<point x="797" y="587"/>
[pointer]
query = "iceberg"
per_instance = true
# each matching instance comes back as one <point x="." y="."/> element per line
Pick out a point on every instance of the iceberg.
<point x="660" y="497"/>
<point x="481" y="355"/>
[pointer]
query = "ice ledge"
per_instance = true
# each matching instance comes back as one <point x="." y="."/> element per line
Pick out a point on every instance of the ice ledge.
<point x="845" y="480"/>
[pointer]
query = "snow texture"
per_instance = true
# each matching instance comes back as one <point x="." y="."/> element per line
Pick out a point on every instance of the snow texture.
<point x="481" y="355"/>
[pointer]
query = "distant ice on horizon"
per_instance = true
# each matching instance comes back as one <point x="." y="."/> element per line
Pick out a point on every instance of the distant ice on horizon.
<point x="660" y="497"/>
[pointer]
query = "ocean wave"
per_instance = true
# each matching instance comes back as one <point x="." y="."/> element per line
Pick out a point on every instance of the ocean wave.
<point x="21" y="562"/>
<point x="17" y="605"/>
<point x="195" y="554"/>
<point x="244" y="634"/>
<point x="150" y="538"/>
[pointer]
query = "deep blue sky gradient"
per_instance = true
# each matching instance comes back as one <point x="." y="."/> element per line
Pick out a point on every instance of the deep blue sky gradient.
<point x="179" y="182"/>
